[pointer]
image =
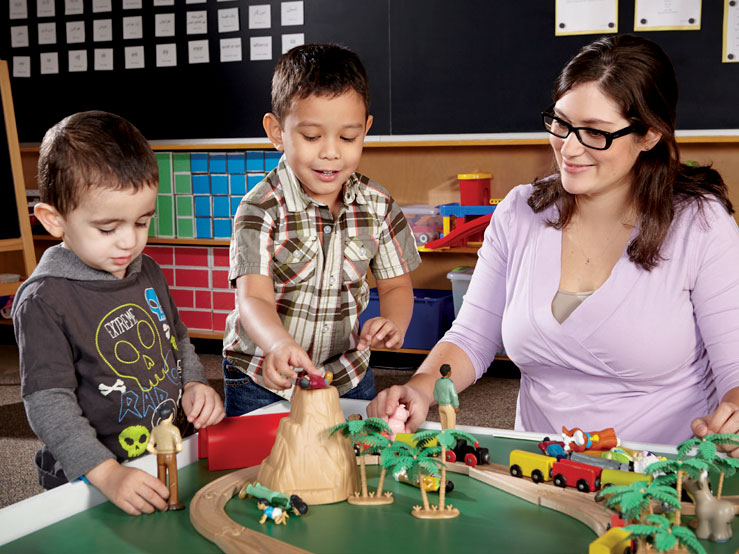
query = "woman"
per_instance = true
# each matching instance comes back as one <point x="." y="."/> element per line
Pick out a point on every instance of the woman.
<point x="614" y="284"/>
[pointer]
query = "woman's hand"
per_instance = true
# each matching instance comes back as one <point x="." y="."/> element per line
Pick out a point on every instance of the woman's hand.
<point x="387" y="401"/>
<point x="724" y="420"/>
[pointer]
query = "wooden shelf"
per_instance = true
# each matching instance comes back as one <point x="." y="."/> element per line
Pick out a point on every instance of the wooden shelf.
<point x="7" y="289"/>
<point x="189" y="242"/>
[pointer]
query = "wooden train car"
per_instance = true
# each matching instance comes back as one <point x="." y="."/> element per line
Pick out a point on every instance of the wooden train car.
<point x="536" y="466"/>
<point x="575" y="474"/>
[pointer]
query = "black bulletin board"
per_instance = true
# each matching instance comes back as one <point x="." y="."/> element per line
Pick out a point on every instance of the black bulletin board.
<point x="436" y="67"/>
<point x="9" y="224"/>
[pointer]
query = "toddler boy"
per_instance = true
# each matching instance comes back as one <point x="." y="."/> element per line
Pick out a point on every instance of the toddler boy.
<point x="102" y="347"/>
<point x="305" y="237"/>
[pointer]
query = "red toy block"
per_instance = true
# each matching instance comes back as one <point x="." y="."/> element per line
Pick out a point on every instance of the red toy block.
<point x="220" y="257"/>
<point x="161" y="254"/>
<point x="197" y="278"/>
<point x="220" y="279"/>
<point x="183" y="298"/>
<point x="197" y="319"/>
<point x="238" y="442"/>
<point x="219" y="321"/>
<point x="197" y="257"/>
<point x="224" y="300"/>
<point x="202" y="300"/>
<point x="474" y="189"/>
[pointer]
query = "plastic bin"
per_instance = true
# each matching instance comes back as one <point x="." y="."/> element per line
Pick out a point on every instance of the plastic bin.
<point x="433" y="313"/>
<point x="460" y="278"/>
<point x="425" y="221"/>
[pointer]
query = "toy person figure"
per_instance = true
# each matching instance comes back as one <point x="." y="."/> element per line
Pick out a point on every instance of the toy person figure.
<point x="166" y="442"/>
<point x="445" y="394"/>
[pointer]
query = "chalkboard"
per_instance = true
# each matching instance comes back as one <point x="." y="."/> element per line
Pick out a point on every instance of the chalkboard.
<point x="436" y="67"/>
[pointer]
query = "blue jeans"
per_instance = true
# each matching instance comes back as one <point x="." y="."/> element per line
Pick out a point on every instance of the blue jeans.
<point x="243" y="395"/>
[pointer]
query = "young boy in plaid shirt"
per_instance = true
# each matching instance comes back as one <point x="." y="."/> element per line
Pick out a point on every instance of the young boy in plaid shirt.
<point x="305" y="237"/>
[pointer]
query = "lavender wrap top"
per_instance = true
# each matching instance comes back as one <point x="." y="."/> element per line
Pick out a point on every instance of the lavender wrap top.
<point x="646" y="353"/>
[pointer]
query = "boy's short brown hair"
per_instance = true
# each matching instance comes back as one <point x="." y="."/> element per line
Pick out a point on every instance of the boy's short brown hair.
<point x="93" y="149"/>
<point x="321" y="69"/>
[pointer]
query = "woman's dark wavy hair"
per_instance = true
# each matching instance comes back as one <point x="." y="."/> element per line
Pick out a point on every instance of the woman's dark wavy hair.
<point x="638" y="75"/>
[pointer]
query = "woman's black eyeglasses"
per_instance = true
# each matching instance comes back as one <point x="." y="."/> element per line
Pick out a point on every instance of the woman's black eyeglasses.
<point x="592" y="138"/>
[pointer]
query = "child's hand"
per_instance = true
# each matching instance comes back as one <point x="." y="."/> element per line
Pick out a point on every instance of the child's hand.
<point x="380" y="332"/>
<point x="277" y="370"/>
<point x="202" y="405"/>
<point x="132" y="490"/>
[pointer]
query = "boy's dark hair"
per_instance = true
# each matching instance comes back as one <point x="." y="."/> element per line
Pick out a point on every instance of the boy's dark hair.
<point x="93" y="149"/>
<point x="321" y="69"/>
<point x="445" y="369"/>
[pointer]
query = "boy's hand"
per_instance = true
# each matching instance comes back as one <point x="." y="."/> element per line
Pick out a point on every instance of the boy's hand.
<point x="278" y="372"/>
<point x="380" y="332"/>
<point x="202" y="404"/>
<point x="132" y="490"/>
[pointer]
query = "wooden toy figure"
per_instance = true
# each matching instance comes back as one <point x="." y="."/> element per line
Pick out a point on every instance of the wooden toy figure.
<point x="577" y="440"/>
<point x="445" y="394"/>
<point x="166" y="441"/>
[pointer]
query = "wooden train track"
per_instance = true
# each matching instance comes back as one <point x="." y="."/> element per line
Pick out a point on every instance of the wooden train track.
<point x="209" y="518"/>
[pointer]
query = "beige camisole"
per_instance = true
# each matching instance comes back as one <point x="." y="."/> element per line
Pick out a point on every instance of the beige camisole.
<point x="565" y="302"/>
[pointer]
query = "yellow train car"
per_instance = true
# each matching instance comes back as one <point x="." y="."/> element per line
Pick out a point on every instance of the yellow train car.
<point x="536" y="466"/>
<point x="617" y="477"/>
<point x="614" y="541"/>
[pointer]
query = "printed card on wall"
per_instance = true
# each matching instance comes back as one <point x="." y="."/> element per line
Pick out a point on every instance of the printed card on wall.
<point x="77" y="60"/>
<point x="45" y="8"/>
<point x="166" y="55"/>
<point x="164" y="25"/>
<point x="667" y="15"/>
<point x="102" y="30"/>
<point x="134" y="57"/>
<point x="74" y="7"/>
<point x="260" y="16"/>
<point x="19" y="36"/>
<point x="730" y="50"/>
<point x="231" y="49"/>
<point x="292" y="13"/>
<point x="260" y="48"/>
<point x="101" y="6"/>
<point x="21" y="66"/>
<point x="47" y="33"/>
<point x="131" y="4"/>
<point x="585" y="17"/>
<point x="197" y="23"/>
<point x="132" y="27"/>
<point x="228" y="20"/>
<point x="75" y="32"/>
<point x="103" y="59"/>
<point x="198" y="51"/>
<point x="49" y="63"/>
<point x="292" y="40"/>
<point x="18" y="9"/>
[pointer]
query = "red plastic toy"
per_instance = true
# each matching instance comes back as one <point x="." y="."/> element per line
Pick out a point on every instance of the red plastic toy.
<point x="238" y="442"/>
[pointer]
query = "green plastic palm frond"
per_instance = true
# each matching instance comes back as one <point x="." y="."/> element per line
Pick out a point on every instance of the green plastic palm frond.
<point x="658" y="520"/>
<point x="668" y="479"/>
<point x="664" y="541"/>
<point x="663" y="466"/>
<point x="667" y="497"/>
<point x="431" y="451"/>
<point x="376" y="425"/>
<point x="640" y="530"/>
<point x="723" y="438"/>
<point x="684" y="448"/>
<point x="727" y="466"/>
<point x="688" y="539"/>
<point x="706" y="450"/>
<point x="422" y="438"/>
<point x="449" y="437"/>
<point x="430" y="465"/>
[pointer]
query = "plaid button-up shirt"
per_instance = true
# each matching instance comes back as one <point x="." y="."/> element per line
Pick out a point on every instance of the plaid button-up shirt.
<point x="319" y="268"/>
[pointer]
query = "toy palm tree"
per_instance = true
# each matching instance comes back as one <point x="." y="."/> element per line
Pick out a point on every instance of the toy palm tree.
<point x="634" y="500"/>
<point x="707" y="451"/>
<point x="665" y="536"/>
<point x="692" y="468"/>
<point x="447" y="440"/>
<point x="400" y="457"/>
<point x="376" y="443"/>
<point x="358" y="432"/>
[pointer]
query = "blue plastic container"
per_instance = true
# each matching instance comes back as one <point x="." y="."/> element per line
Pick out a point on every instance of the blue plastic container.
<point x="433" y="312"/>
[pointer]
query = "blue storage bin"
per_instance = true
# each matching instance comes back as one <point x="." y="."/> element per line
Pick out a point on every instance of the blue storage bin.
<point x="254" y="180"/>
<point x="236" y="163"/>
<point x="221" y="207"/>
<point x="198" y="162"/>
<point x="255" y="161"/>
<point x="237" y="184"/>
<point x="217" y="163"/>
<point x="271" y="159"/>
<point x="221" y="228"/>
<point x="433" y="312"/>
<point x="203" y="228"/>
<point x="219" y="184"/>
<point x="235" y="201"/>
<point x="201" y="184"/>
<point x="203" y="206"/>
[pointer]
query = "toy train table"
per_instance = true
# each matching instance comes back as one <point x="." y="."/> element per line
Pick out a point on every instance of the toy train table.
<point x="499" y="513"/>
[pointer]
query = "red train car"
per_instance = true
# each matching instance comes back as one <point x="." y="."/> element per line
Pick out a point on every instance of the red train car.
<point x="585" y="477"/>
